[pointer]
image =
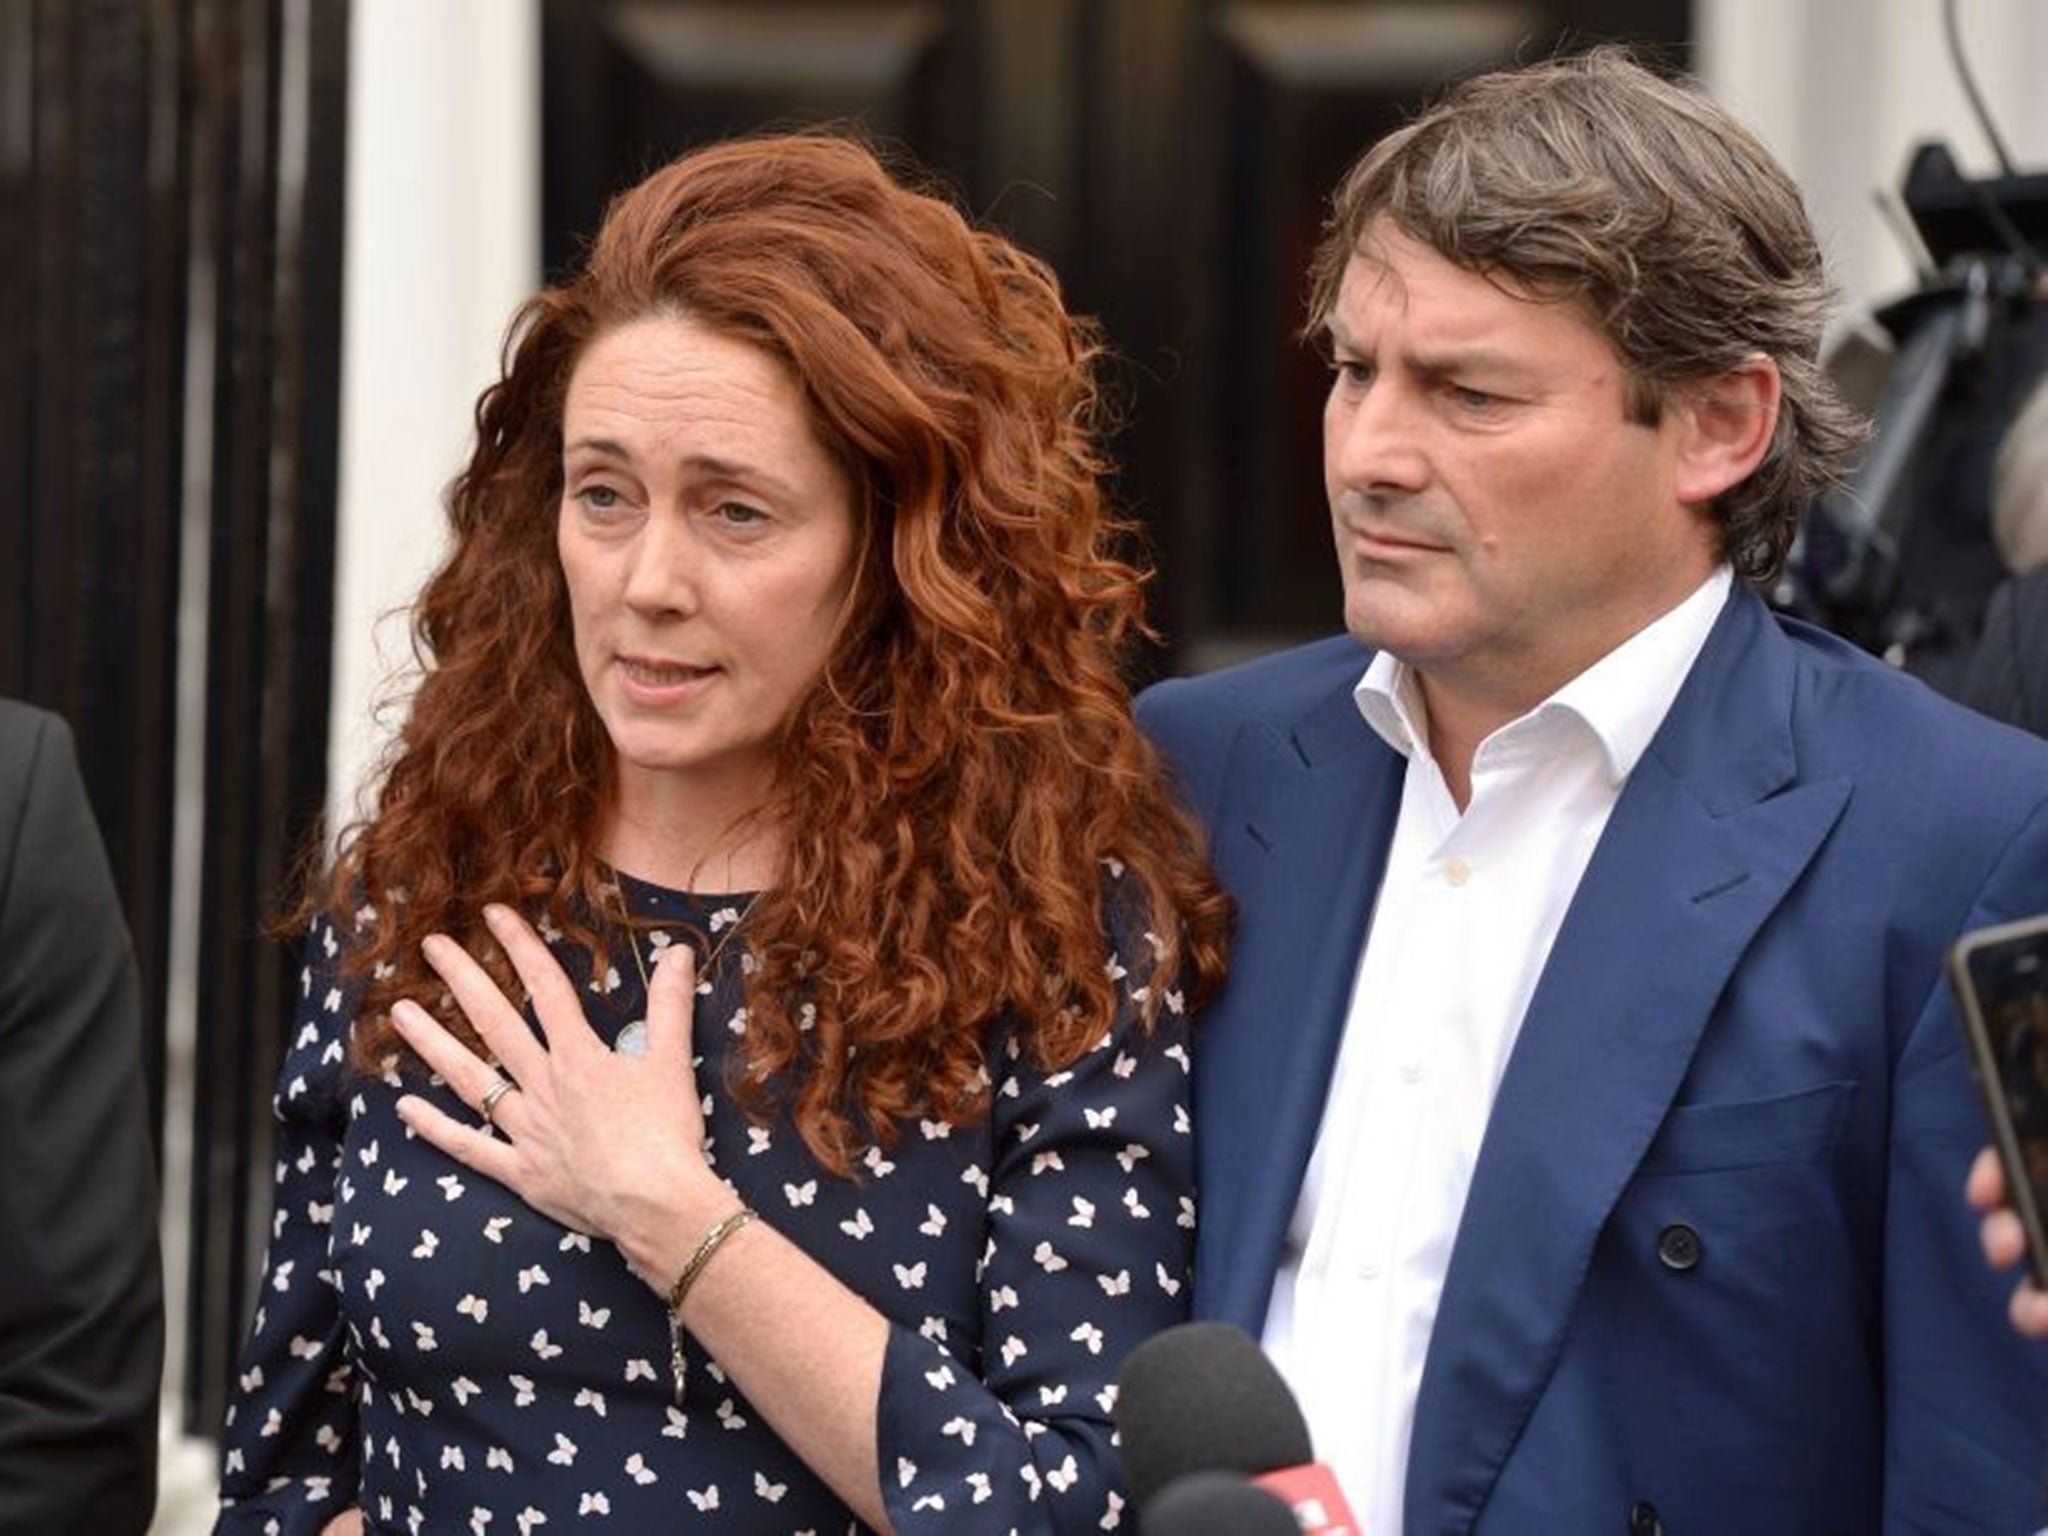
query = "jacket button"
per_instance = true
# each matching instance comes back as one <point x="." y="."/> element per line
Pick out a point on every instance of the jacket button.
<point x="1678" y="1248"/>
<point x="1643" y="1519"/>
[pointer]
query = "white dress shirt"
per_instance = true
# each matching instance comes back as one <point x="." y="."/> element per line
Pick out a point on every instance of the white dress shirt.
<point x="1468" y="909"/>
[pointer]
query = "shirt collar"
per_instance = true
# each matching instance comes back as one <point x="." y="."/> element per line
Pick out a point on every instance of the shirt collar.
<point x="1622" y="698"/>
<point x="1392" y="705"/>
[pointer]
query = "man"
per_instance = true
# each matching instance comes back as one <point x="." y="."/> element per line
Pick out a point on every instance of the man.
<point x="81" y="1289"/>
<point x="1584" y="1121"/>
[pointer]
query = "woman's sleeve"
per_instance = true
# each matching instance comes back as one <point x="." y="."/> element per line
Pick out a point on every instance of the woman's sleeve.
<point x="289" y="1455"/>
<point x="1091" y="1240"/>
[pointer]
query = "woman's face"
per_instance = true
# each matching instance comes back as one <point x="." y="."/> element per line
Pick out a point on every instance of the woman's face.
<point x="708" y="543"/>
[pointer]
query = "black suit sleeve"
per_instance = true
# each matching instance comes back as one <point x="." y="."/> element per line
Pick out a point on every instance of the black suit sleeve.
<point x="81" y="1302"/>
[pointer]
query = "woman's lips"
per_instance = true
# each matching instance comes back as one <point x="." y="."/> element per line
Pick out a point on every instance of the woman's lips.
<point x="663" y="682"/>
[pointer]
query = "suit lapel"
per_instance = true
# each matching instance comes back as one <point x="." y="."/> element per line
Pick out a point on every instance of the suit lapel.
<point x="1300" y="841"/>
<point x="1706" y="839"/>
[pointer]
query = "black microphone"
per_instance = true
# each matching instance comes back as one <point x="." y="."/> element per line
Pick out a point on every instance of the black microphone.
<point x="1202" y="1398"/>
<point x="1216" y="1504"/>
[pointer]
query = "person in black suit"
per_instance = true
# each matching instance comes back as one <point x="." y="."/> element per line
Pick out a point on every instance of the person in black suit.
<point x="81" y="1307"/>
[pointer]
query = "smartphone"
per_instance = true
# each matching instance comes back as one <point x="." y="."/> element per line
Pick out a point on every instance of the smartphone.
<point x="2000" y="979"/>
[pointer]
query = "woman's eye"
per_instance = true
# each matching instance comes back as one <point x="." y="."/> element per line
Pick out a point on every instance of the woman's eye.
<point x="1350" y="371"/>
<point x="740" y="514"/>
<point x="599" y="498"/>
<point x="1474" y="399"/>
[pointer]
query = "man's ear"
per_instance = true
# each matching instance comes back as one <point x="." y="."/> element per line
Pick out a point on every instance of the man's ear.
<point x="1726" y="422"/>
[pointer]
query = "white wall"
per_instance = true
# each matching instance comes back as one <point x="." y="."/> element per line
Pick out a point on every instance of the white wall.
<point x="1841" y="90"/>
<point x="443" y="241"/>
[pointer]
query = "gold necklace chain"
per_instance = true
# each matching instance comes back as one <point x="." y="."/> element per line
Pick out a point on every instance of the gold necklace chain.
<point x="632" y="1039"/>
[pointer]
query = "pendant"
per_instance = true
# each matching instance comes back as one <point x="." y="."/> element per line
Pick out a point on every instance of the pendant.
<point x="632" y="1040"/>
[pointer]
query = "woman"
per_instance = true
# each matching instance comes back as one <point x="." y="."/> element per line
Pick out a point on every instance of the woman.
<point x="770" y="750"/>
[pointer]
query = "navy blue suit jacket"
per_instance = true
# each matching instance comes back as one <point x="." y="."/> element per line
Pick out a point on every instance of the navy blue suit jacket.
<point x="1742" y="1029"/>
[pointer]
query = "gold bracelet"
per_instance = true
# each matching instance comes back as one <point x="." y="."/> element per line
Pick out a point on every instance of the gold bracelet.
<point x="713" y="1241"/>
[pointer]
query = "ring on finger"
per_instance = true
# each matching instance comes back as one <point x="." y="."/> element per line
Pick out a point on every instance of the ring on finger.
<point x="492" y="1094"/>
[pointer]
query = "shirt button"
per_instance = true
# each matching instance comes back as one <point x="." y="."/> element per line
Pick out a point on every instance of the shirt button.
<point x="1369" y="1270"/>
<point x="1411" y="1071"/>
<point x="1457" y="871"/>
<point x="1678" y="1247"/>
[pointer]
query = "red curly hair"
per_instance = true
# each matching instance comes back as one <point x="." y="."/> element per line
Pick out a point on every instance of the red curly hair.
<point x="955" y="781"/>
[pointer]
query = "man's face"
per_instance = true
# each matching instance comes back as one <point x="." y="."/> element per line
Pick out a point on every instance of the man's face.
<point x="1500" y="522"/>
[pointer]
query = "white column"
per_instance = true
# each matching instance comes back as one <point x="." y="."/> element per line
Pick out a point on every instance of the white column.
<point x="443" y="241"/>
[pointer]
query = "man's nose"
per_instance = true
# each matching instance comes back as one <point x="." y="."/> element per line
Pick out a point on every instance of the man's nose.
<point x="1372" y="441"/>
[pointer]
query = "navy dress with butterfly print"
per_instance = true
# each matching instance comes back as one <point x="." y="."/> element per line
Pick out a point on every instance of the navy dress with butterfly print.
<point x="430" y="1349"/>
